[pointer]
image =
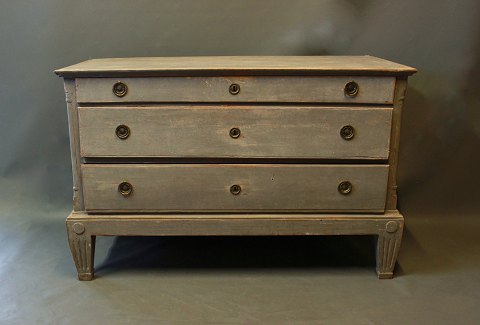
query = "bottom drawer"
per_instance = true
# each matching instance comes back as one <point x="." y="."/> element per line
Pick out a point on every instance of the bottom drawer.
<point x="234" y="187"/>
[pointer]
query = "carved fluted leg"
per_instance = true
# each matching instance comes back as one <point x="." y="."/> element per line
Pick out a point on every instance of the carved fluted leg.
<point x="82" y="245"/>
<point x="388" y="246"/>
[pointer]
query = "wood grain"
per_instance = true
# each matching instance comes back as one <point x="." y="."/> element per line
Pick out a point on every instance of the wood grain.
<point x="266" y="131"/>
<point x="195" y="187"/>
<point x="375" y="90"/>
<point x="293" y="224"/>
<point x="235" y="65"/>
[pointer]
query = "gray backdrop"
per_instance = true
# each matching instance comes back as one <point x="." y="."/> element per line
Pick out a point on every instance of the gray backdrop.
<point x="438" y="172"/>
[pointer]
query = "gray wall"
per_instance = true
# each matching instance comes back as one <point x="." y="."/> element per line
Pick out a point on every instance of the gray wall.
<point x="441" y="124"/>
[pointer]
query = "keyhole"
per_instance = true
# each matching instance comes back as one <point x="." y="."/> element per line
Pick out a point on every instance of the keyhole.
<point x="234" y="89"/>
<point x="235" y="132"/>
<point x="235" y="189"/>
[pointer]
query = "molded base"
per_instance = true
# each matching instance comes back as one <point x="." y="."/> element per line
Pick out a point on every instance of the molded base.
<point x="82" y="228"/>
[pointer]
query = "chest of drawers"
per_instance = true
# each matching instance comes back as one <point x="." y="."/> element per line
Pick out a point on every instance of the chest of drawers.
<point x="234" y="146"/>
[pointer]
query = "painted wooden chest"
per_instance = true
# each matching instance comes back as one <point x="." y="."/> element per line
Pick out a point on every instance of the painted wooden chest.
<point x="235" y="146"/>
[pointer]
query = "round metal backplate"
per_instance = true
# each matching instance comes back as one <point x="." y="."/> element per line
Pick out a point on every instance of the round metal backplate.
<point x="351" y="89"/>
<point x="345" y="187"/>
<point x="120" y="89"/>
<point x="235" y="132"/>
<point x="234" y="89"/>
<point x="122" y="131"/>
<point x="125" y="188"/>
<point x="235" y="189"/>
<point x="347" y="132"/>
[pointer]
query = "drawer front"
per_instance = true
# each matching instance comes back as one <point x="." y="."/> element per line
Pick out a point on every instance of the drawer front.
<point x="212" y="187"/>
<point x="236" y="131"/>
<point x="377" y="90"/>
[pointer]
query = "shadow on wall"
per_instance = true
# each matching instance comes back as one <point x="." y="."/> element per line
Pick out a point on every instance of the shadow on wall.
<point x="331" y="31"/>
<point x="439" y="154"/>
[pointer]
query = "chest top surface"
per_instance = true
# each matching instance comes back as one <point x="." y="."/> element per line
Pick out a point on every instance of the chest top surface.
<point x="236" y="65"/>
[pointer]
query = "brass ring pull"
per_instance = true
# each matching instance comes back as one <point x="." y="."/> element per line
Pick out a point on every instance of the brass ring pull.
<point x="235" y="189"/>
<point x="235" y="133"/>
<point x="234" y="89"/>
<point x="351" y="89"/>
<point x="120" y="89"/>
<point x="122" y="132"/>
<point x="345" y="187"/>
<point x="125" y="188"/>
<point x="347" y="132"/>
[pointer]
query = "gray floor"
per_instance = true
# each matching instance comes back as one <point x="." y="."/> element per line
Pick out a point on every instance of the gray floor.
<point x="235" y="280"/>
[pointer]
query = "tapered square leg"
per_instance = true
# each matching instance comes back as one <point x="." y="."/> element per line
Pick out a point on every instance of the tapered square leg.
<point x="82" y="245"/>
<point x="388" y="246"/>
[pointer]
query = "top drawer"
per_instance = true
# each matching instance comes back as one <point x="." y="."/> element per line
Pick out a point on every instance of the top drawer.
<point x="326" y="89"/>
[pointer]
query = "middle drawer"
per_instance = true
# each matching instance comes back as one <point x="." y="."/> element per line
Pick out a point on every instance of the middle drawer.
<point x="236" y="132"/>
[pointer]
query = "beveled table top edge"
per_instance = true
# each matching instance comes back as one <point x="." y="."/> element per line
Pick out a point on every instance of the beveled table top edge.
<point x="235" y="66"/>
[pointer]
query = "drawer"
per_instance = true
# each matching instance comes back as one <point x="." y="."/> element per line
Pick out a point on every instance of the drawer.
<point x="375" y="90"/>
<point x="236" y="131"/>
<point x="214" y="187"/>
